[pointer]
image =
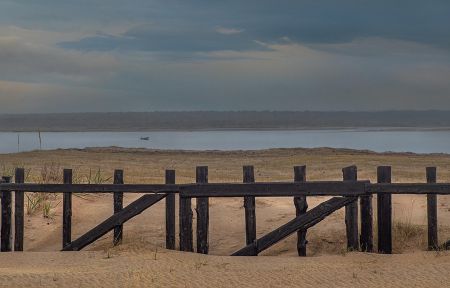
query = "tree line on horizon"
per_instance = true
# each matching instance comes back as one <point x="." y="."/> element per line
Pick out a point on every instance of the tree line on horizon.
<point x="198" y="120"/>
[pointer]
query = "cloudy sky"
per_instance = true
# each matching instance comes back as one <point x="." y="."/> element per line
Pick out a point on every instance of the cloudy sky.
<point x="146" y="55"/>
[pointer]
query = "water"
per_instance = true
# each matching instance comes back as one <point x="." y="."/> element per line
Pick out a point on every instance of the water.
<point x="377" y="140"/>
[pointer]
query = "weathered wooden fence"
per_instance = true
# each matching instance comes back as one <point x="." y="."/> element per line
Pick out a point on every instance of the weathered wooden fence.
<point x="343" y="194"/>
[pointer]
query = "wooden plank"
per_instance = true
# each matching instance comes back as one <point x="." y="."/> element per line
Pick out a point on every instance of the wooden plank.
<point x="366" y="238"/>
<point x="351" y="212"/>
<point x="268" y="189"/>
<point x="249" y="206"/>
<point x="170" y="212"/>
<point x="92" y="188"/>
<point x="433" y="243"/>
<point x="301" y="206"/>
<point x="5" y="239"/>
<point x="133" y="209"/>
<point x="301" y="222"/>
<point x="275" y="189"/>
<point x="67" y="210"/>
<point x="202" y="213"/>
<point x="118" y="206"/>
<point x="19" y="211"/>
<point x="384" y="212"/>
<point x="408" y="188"/>
<point x="185" y="218"/>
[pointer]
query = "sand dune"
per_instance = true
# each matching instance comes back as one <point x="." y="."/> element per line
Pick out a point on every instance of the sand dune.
<point x="143" y="267"/>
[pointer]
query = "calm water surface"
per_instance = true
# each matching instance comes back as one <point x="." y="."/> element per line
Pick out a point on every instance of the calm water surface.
<point x="376" y="140"/>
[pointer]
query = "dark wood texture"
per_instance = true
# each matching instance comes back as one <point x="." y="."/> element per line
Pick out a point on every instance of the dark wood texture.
<point x="384" y="212"/>
<point x="67" y="210"/>
<point x="19" y="210"/>
<point x="366" y="209"/>
<point x="301" y="206"/>
<point x="185" y="218"/>
<point x="93" y="188"/>
<point x="202" y="213"/>
<point x="118" y="206"/>
<point x="351" y="212"/>
<point x="133" y="209"/>
<point x="302" y="222"/>
<point x="6" y="235"/>
<point x="408" y="188"/>
<point x="170" y="212"/>
<point x="249" y="206"/>
<point x="268" y="189"/>
<point x="433" y="243"/>
<point x="275" y="189"/>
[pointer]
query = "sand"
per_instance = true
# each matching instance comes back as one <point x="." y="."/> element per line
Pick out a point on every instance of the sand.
<point x="141" y="267"/>
<point x="134" y="264"/>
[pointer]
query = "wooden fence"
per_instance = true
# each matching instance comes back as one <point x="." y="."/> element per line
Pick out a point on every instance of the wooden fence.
<point x="344" y="193"/>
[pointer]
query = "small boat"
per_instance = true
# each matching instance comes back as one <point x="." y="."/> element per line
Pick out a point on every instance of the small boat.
<point x="145" y="138"/>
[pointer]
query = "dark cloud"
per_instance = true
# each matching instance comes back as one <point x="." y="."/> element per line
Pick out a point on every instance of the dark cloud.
<point x="160" y="39"/>
<point x="190" y="25"/>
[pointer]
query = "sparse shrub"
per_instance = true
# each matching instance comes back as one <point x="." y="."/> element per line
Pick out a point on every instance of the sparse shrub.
<point x="51" y="173"/>
<point x="97" y="177"/>
<point x="47" y="207"/>
<point x="34" y="201"/>
<point x="406" y="231"/>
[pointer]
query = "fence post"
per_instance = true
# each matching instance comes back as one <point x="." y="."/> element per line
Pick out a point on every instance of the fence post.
<point x="249" y="205"/>
<point x="185" y="218"/>
<point x="433" y="243"/>
<point x="366" y="237"/>
<point x="118" y="206"/>
<point x="202" y="213"/>
<point x="301" y="206"/>
<point x="351" y="212"/>
<point x="384" y="212"/>
<point x="67" y="210"/>
<point x="19" y="211"/>
<point x="6" y="218"/>
<point x="170" y="212"/>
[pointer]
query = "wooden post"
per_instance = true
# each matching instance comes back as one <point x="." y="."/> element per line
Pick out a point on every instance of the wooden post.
<point x="301" y="206"/>
<point x="170" y="212"/>
<point x="433" y="243"/>
<point x="6" y="218"/>
<point x="249" y="205"/>
<point x="351" y="212"/>
<point x="366" y="238"/>
<point x="118" y="206"/>
<point x="19" y="211"/>
<point x="67" y="210"/>
<point x="202" y="213"/>
<point x="384" y="212"/>
<point x="185" y="218"/>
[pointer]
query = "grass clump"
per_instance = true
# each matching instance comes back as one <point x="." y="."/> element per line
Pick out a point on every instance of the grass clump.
<point x="407" y="235"/>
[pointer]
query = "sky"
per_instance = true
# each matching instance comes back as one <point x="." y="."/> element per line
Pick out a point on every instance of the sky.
<point x="172" y="55"/>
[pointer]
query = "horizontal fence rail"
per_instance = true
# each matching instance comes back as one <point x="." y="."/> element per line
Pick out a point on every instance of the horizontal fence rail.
<point x="409" y="188"/>
<point x="92" y="188"/>
<point x="260" y="189"/>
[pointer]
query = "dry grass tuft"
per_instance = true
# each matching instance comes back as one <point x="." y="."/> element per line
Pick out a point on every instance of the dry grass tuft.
<point x="407" y="234"/>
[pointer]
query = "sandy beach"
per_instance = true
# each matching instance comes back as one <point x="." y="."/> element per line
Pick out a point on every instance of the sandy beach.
<point x="142" y="260"/>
